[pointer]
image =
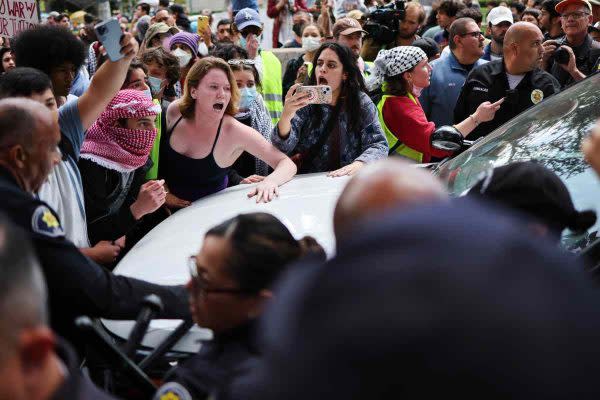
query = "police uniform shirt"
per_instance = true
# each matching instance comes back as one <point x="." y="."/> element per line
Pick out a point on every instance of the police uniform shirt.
<point x="76" y="285"/>
<point x="489" y="82"/>
<point x="586" y="56"/>
<point x="75" y="386"/>
<point x="215" y="369"/>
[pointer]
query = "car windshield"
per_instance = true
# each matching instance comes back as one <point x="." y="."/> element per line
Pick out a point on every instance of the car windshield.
<point x="551" y="133"/>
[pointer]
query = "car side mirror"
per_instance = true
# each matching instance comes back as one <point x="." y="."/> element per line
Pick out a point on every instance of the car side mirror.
<point x="447" y="138"/>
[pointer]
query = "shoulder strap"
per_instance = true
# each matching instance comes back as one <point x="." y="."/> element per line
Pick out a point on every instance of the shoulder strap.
<point x="217" y="137"/>
<point x="170" y="131"/>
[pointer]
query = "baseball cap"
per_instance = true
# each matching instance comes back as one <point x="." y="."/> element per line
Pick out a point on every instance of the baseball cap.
<point x="561" y="6"/>
<point x="535" y="190"/>
<point x="595" y="2"/>
<point x="428" y="45"/>
<point x="500" y="14"/>
<point x="346" y="26"/>
<point x="247" y="17"/>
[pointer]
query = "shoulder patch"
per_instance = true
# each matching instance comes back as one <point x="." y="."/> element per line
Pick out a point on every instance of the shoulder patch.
<point x="172" y="391"/>
<point x="480" y="89"/>
<point x="44" y="222"/>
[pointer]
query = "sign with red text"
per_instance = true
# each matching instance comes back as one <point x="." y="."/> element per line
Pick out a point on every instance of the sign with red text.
<point x="17" y="16"/>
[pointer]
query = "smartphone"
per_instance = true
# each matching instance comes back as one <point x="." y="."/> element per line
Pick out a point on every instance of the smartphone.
<point x="202" y="24"/>
<point x="317" y="94"/>
<point x="109" y="34"/>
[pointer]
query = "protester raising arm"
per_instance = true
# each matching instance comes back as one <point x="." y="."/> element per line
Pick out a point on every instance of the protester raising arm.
<point x="106" y="83"/>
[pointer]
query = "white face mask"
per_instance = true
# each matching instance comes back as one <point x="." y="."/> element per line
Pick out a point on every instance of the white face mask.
<point x="416" y="90"/>
<point x="202" y="49"/>
<point x="183" y="56"/>
<point x="310" y="43"/>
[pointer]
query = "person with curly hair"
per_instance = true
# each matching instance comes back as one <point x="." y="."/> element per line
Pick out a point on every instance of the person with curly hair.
<point x="59" y="54"/>
<point x="163" y="74"/>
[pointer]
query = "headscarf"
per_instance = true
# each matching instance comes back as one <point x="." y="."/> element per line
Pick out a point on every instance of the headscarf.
<point x="191" y="40"/>
<point x="118" y="148"/>
<point x="393" y="62"/>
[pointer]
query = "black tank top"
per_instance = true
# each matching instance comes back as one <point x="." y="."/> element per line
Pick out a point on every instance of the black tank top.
<point x="191" y="178"/>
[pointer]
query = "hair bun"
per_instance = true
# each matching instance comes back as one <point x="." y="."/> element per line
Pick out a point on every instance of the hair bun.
<point x="310" y="246"/>
<point x="583" y="220"/>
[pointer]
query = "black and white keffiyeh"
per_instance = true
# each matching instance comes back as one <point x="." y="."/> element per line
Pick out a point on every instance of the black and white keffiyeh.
<point x="393" y="62"/>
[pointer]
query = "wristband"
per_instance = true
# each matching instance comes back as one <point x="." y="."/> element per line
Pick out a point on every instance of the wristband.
<point x="472" y="116"/>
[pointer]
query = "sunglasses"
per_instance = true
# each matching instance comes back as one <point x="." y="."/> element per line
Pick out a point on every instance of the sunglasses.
<point x="200" y="285"/>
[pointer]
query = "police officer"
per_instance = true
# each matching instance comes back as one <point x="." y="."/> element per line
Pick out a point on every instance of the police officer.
<point x="580" y="51"/>
<point x="34" y="363"/>
<point x="517" y="78"/>
<point x="29" y="138"/>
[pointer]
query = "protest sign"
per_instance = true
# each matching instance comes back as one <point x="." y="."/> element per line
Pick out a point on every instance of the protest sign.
<point x="17" y="16"/>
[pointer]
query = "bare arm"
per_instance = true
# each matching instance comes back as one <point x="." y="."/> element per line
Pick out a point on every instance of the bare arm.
<point x="106" y="83"/>
<point x="283" y="168"/>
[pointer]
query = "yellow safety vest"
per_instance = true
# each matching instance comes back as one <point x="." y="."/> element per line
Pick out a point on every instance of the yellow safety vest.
<point x="271" y="85"/>
<point x="401" y="149"/>
<point x="153" y="172"/>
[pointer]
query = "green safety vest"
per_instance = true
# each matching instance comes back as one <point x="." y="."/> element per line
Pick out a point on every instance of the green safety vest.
<point x="271" y="85"/>
<point x="400" y="149"/>
<point x="153" y="172"/>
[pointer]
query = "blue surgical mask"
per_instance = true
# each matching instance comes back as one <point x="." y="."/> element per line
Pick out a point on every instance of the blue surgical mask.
<point x="243" y="42"/>
<point x="248" y="95"/>
<point x="154" y="83"/>
<point x="147" y="93"/>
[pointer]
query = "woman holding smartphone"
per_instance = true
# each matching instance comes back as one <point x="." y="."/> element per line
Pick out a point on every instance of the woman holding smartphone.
<point x="339" y="137"/>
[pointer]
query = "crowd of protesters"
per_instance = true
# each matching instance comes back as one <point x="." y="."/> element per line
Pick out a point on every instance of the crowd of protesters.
<point x="94" y="153"/>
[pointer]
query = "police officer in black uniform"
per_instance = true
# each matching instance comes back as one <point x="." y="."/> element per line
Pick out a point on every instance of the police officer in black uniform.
<point x="29" y="138"/>
<point x="579" y="53"/>
<point x="518" y="79"/>
<point x="35" y="364"/>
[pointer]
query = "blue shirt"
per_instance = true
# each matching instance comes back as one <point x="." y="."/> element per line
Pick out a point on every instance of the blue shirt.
<point x="447" y="78"/>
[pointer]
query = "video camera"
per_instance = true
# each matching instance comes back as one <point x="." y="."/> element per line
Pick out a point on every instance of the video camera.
<point x="383" y="22"/>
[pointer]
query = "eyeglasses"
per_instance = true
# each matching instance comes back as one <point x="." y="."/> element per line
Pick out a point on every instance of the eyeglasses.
<point x="473" y="34"/>
<point x="200" y="286"/>
<point x="575" y="15"/>
<point x="239" y="62"/>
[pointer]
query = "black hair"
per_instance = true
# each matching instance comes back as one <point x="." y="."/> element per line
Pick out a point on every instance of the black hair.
<point x="47" y="47"/>
<point x="88" y="19"/>
<point x="472" y="13"/>
<point x="534" y="12"/>
<point x="458" y="28"/>
<point x="145" y="7"/>
<point x="59" y="17"/>
<point x="261" y="246"/>
<point x="3" y="51"/>
<point x="229" y="51"/>
<point x="177" y="9"/>
<point x="23" y="82"/>
<point x="451" y="7"/>
<point x="519" y="6"/>
<point x="550" y="7"/>
<point x="350" y="99"/>
<point x="135" y="64"/>
<point x="224" y="21"/>
<point x="163" y="3"/>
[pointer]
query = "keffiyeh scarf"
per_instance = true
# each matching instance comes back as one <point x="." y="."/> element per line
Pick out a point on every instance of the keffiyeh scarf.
<point x="118" y="148"/>
<point x="393" y="62"/>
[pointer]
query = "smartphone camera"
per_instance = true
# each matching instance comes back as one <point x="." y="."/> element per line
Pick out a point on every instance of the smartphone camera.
<point x="101" y="30"/>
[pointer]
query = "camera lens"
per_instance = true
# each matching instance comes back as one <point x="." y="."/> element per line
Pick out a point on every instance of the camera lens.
<point x="561" y="56"/>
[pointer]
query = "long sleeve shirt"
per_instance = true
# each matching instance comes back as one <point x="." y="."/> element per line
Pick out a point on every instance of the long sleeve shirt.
<point x="366" y="144"/>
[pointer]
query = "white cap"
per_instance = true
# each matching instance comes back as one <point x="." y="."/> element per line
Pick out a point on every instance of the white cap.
<point x="500" y="14"/>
